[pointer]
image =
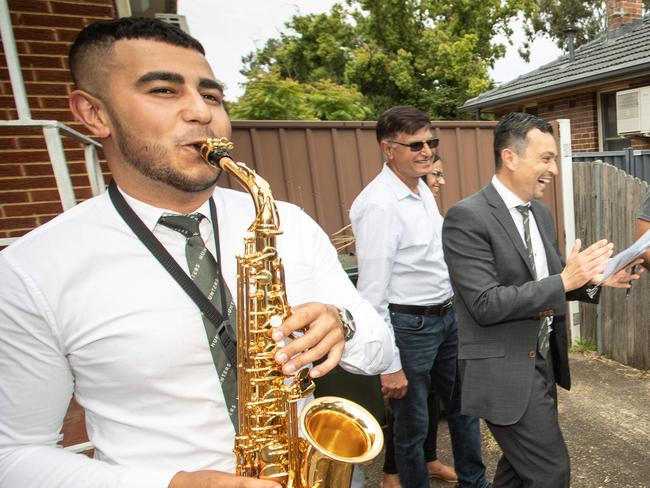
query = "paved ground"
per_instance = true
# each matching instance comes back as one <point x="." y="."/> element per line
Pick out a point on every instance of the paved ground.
<point x="606" y="423"/>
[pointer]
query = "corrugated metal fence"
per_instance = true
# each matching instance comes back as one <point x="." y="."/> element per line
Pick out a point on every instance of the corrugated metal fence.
<point x="606" y="201"/>
<point x="322" y="166"/>
<point x="634" y="162"/>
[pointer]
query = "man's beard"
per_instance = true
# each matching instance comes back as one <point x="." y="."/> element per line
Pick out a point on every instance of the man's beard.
<point x="152" y="161"/>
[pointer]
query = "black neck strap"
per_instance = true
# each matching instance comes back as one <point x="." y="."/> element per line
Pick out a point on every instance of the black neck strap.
<point x="174" y="269"/>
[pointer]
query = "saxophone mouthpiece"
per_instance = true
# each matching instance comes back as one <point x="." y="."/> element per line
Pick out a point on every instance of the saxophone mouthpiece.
<point x="214" y="149"/>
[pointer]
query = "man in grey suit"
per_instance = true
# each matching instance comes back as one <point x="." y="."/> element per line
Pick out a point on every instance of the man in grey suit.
<point x="511" y="285"/>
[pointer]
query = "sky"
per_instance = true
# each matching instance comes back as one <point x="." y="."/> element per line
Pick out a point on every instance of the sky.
<point x="230" y="29"/>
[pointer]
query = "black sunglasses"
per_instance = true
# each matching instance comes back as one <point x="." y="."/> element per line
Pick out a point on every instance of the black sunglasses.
<point x="417" y="146"/>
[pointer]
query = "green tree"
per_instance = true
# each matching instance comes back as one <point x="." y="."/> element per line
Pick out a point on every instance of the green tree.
<point x="271" y="97"/>
<point x="585" y="19"/>
<point x="433" y="54"/>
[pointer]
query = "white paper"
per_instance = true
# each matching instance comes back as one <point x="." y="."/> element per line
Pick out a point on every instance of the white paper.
<point x="626" y="256"/>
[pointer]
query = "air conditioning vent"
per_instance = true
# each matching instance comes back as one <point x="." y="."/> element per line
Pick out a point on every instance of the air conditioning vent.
<point x="178" y="20"/>
<point x="633" y="111"/>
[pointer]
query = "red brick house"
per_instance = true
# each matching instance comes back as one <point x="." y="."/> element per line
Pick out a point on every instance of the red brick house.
<point x="42" y="32"/>
<point x="582" y="85"/>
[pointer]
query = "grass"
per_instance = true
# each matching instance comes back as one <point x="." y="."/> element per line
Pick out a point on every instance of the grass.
<point x="583" y="346"/>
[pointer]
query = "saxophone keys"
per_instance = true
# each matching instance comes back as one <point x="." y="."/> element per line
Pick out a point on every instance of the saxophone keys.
<point x="304" y="383"/>
<point x="274" y="472"/>
<point x="263" y="277"/>
<point x="273" y="453"/>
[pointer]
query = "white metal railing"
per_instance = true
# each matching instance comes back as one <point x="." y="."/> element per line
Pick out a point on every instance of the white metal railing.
<point x="52" y="129"/>
<point x="52" y="132"/>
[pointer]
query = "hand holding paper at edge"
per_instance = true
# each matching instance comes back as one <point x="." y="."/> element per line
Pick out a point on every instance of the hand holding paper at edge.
<point x="626" y="258"/>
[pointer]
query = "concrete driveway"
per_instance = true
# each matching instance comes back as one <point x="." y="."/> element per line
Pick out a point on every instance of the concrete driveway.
<point x="606" y="423"/>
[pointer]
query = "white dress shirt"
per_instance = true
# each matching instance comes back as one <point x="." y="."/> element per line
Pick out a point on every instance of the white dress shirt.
<point x="85" y="309"/>
<point x="512" y="201"/>
<point x="399" y="246"/>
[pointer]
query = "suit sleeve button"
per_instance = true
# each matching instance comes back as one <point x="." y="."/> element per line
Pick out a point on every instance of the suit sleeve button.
<point x="532" y="354"/>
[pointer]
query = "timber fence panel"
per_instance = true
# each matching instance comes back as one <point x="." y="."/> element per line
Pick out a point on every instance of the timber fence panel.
<point x="584" y="202"/>
<point x="607" y="201"/>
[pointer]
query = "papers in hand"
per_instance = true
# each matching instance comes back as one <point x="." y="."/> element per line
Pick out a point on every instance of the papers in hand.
<point x="625" y="257"/>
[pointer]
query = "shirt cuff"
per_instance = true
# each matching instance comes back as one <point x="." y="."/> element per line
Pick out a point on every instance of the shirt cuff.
<point x="396" y="365"/>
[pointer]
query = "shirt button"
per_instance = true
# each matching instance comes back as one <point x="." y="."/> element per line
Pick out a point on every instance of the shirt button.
<point x="532" y="354"/>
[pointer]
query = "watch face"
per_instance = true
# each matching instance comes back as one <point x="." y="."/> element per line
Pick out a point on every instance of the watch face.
<point x="348" y="324"/>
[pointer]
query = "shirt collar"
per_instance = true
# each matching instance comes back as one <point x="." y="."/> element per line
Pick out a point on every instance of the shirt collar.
<point x="150" y="214"/>
<point x="399" y="188"/>
<point x="510" y="199"/>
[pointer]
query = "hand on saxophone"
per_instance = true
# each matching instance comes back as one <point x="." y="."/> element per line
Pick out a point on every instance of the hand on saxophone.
<point x="323" y="336"/>
<point x="209" y="479"/>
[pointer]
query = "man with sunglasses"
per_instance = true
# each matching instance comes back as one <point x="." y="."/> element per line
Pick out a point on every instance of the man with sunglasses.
<point x="402" y="272"/>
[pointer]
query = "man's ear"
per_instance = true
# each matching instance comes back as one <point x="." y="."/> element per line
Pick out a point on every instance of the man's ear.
<point x="90" y="111"/>
<point x="386" y="150"/>
<point x="509" y="158"/>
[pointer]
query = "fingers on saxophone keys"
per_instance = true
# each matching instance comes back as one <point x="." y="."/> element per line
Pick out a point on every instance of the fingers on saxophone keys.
<point x="301" y="352"/>
<point x="301" y="318"/>
<point x="321" y="339"/>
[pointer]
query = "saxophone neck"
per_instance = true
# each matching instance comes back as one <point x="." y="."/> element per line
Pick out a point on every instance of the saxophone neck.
<point x="267" y="221"/>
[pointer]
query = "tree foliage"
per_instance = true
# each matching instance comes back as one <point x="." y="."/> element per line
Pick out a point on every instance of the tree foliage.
<point x="374" y="54"/>
<point x="558" y="19"/>
<point x="433" y="54"/>
<point x="269" y="96"/>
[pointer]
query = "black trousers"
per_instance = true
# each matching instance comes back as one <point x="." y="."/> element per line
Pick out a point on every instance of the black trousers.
<point x="534" y="451"/>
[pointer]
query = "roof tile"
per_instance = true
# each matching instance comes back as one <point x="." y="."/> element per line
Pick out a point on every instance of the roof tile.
<point x="616" y="53"/>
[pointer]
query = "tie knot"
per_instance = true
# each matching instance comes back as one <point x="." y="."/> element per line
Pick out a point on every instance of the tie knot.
<point x="188" y="225"/>
<point x="523" y="209"/>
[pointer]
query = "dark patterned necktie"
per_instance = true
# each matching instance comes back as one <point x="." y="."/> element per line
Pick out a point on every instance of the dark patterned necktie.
<point x="544" y="329"/>
<point x="205" y="274"/>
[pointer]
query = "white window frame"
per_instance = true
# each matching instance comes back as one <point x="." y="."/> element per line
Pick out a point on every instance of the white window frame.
<point x="600" y="114"/>
<point x="123" y="8"/>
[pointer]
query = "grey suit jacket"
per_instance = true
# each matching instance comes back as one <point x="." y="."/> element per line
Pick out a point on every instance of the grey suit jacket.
<point x="499" y="305"/>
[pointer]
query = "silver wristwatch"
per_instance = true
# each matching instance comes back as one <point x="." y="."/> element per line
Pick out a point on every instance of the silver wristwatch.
<point x="348" y="324"/>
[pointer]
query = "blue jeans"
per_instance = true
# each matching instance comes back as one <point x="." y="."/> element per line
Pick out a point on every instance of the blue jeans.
<point x="428" y="347"/>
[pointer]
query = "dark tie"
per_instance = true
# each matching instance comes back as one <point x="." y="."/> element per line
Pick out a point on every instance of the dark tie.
<point x="205" y="274"/>
<point x="544" y="329"/>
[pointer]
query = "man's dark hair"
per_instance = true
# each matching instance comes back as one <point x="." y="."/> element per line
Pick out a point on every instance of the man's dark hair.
<point x="401" y="119"/>
<point x="90" y="49"/>
<point x="512" y="131"/>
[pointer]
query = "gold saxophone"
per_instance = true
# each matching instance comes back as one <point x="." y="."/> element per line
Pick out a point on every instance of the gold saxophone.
<point x="338" y="433"/>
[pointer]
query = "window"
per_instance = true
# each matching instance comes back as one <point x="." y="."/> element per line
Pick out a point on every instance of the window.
<point x="144" y="8"/>
<point x="532" y="110"/>
<point x="161" y="9"/>
<point x="610" y="139"/>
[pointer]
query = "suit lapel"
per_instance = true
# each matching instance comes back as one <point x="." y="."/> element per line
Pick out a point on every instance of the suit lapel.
<point x="503" y="217"/>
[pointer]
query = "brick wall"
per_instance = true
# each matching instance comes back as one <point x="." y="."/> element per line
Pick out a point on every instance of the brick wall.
<point x="581" y="109"/>
<point x="620" y="12"/>
<point x="43" y="30"/>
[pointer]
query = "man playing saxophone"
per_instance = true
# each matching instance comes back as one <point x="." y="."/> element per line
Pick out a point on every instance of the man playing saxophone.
<point x="88" y="307"/>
